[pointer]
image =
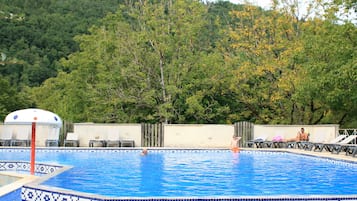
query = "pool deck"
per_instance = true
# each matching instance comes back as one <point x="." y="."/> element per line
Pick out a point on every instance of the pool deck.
<point x="25" y="179"/>
<point x="325" y="154"/>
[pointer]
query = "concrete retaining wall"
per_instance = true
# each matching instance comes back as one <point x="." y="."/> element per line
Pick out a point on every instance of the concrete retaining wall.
<point x="318" y="133"/>
<point x="203" y="135"/>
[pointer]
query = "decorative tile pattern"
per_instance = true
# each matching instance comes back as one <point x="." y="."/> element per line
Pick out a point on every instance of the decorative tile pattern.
<point x="20" y="166"/>
<point x="38" y="194"/>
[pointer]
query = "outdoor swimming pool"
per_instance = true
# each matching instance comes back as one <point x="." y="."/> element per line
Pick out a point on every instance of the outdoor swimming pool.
<point x="194" y="173"/>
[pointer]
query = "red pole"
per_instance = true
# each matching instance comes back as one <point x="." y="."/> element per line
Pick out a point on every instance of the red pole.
<point x="33" y="140"/>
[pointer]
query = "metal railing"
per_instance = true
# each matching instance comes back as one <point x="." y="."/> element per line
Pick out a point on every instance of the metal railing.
<point x="348" y="132"/>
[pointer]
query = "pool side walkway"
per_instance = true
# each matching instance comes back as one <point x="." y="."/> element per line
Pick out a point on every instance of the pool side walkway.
<point x="25" y="179"/>
<point x="325" y="154"/>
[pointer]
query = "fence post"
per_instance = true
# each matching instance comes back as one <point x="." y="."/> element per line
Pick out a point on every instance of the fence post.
<point x="152" y="135"/>
<point x="244" y="130"/>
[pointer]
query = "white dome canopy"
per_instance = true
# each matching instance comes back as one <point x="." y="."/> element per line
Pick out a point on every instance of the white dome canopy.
<point x="27" y="116"/>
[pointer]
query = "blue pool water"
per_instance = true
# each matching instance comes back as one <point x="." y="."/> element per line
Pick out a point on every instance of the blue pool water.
<point x="184" y="173"/>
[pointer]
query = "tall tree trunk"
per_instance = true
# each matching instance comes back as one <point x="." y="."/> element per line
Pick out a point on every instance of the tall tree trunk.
<point x="163" y="81"/>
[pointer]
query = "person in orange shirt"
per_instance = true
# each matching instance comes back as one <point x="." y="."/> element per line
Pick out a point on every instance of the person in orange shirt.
<point x="234" y="144"/>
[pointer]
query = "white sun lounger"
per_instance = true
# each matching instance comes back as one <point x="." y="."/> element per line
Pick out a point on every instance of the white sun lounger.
<point x="113" y="139"/>
<point x="98" y="140"/>
<point x="319" y="146"/>
<point x="71" y="139"/>
<point x="21" y="138"/>
<point x="340" y="146"/>
<point x="5" y="137"/>
<point x="53" y="138"/>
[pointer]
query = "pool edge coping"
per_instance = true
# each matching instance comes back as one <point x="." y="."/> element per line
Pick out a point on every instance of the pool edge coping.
<point x="24" y="179"/>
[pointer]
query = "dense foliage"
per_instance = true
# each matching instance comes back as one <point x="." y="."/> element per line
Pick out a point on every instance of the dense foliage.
<point x="178" y="62"/>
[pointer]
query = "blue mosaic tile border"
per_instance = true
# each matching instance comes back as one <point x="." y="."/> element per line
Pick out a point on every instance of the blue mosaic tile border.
<point x="20" y="166"/>
<point x="41" y="193"/>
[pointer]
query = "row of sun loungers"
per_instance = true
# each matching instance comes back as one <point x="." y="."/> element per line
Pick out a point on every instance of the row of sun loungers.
<point x="275" y="144"/>
<point x="318" y="146"/>
<point x="342" y="143"/>
<point x="71" y="140"/>
<point x="337" y="145"/>
<point x="21" y="140"/>
<point x="112" y="141"/>
<point x="25" y="142"/>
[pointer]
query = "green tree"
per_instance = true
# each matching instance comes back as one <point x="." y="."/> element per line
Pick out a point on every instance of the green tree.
<point x="265" y="73"/>
<point x="329" y="58"/>
<point x="187" y="62"/>
<point x="146" y="63"/>
<point x="36" y="34"/>
<point x="10" y="100"/>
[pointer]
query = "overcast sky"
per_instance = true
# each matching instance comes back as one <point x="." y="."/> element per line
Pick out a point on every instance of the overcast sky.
<point x="302" y="8"/>
<point x="266" y="4"/>
<point x="261" y="3"/>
